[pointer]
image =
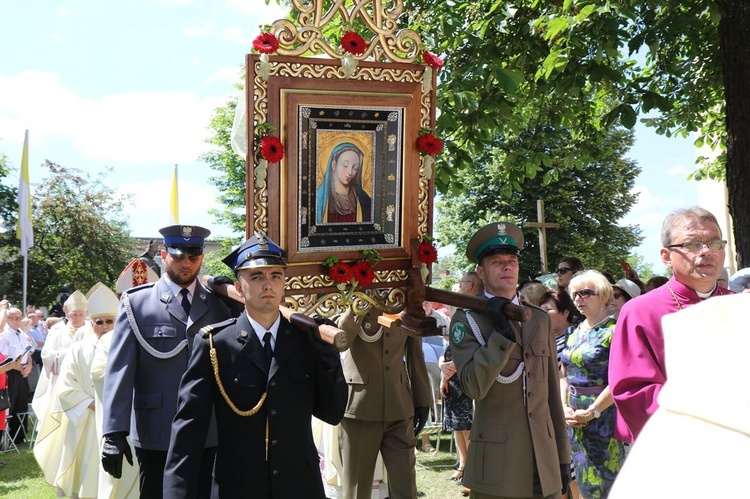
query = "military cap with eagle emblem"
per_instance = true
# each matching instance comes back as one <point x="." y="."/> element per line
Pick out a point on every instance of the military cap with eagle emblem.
<point x="257" y="252"/>
<point x="184" y="239"/>
<point x="494" y="238"/>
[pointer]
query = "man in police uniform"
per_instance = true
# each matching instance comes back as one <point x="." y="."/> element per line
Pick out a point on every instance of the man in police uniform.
<point x="519" y="443"/>
<point x="265" y="380"/>
<point x="151" y="345"/>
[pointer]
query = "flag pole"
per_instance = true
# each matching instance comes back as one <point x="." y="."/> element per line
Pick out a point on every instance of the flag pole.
<point x="24" y="230"/>
<point x="174" y="205"/>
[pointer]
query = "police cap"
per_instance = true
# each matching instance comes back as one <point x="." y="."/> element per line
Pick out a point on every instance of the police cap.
<point x="258" y="251"/>
<point x="184" y="239"/>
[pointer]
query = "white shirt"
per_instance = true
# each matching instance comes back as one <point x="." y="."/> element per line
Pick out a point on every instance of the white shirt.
<point x="13" y="342"/>
<point x="260" y="331"/>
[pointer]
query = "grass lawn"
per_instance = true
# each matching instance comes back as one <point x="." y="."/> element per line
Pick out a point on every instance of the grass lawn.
<point x="21" y="478"/>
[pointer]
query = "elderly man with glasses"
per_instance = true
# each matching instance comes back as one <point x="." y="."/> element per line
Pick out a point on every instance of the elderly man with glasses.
<point x="14" y="344"/>
<point x="694" y="249"/>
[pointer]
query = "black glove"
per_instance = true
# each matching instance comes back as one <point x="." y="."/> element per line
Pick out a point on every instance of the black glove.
<point x="565" y="475"/>
<point x="421" y="414"/>
<point x="320" y="320"/>
<point x="499" y="321"/>
<point x="113" y="448"/>
<point x="222" y="279"/>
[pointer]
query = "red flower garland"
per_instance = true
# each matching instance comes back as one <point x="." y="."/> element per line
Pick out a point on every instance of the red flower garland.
<point x="363" y="273"/>
<point x="429" y="144"/>
<point x="432" y="60"/>
<point x="271" y="149"/>
<point x="266" y="43"/>
<point x="340" y="273"/>
<point x="427" y="253"/>
<point x="353" y="43"/>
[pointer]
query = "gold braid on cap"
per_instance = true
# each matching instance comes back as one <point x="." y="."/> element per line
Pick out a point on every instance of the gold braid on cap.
<point x="215" y="365"/>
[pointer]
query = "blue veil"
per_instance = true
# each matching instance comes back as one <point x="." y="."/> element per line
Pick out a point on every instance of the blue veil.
<point x="322" y="193"/>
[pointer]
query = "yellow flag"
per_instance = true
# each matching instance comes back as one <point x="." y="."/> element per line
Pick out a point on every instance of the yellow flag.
<point x="174" y="205"/>
<point x="24" y="230"/>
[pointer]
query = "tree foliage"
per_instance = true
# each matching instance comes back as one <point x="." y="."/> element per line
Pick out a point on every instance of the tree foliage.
<point x="582" y="65"/>
<point x="230" y="179"/>
<point x="80" y="238"/>
<point x="586" y="202"/>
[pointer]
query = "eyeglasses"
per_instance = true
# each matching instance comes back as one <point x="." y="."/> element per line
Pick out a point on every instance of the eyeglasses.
<point x="563" y="270"/>
<point x="101" y="322"/>
<point x="585" y="293"/>
<point x="696" y="246"/>
<point x="618" y="296"/>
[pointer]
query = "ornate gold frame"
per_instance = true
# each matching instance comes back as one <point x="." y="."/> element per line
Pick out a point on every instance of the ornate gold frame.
<point x="386" y="73"/>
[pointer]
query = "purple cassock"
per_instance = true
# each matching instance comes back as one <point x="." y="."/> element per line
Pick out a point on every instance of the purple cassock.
<point x="636" y="357"/>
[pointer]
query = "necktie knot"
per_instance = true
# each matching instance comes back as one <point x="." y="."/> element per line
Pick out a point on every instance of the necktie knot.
<point x="185" y="302"/>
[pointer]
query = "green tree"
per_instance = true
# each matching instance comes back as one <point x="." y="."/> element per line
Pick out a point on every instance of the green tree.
<point x="230" y="179"/>
<point x="80" y="238"/>
<point x="581" y="65"/>
<point x="587" y="202"/>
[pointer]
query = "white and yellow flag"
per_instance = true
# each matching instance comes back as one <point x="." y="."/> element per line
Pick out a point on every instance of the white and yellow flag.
<point x="24" y="231"/>
<point x="174" y="205"/>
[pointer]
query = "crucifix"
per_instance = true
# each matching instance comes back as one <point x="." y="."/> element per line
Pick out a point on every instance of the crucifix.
<point x="542" y="226"/>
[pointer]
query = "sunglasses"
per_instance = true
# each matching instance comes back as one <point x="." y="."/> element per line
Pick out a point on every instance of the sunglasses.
<point x="101" y="322"/>
<point x="585" y="293"/>
<point x="563" y="270"/>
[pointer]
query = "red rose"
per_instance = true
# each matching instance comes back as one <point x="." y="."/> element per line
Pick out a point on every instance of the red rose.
<point x="353" y="43"/>
<point x="429" y="144"/>
<point x="427" y="253"/>
<point x="271" y="149"/>
<point x="363" y="273"/>
<point x="432" y="60"/>
<point x="340" y="273"/>
<point x="266" y="43"/>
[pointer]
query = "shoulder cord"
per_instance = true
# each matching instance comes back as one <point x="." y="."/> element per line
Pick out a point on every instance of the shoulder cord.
<point x="369" y="339"/>
<point x="235" y="409"/>
<point x="505" y="380"/>
<point x="151" y="350"/>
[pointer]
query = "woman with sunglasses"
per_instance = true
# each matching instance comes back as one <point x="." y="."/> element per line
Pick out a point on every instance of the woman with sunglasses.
<point x="566" y="269"/>
<point x="584" y="387"/>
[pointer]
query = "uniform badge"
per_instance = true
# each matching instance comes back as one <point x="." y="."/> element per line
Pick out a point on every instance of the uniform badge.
<point x="458" y="332"/>
<point x="187" y="231"/>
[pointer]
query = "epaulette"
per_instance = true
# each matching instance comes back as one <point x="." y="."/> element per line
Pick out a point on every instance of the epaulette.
<point x="215" y="328"/>
<point x="148" y="285"/>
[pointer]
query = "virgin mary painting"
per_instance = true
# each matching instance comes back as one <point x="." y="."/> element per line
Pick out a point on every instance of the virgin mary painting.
<point x="340" y="197"/>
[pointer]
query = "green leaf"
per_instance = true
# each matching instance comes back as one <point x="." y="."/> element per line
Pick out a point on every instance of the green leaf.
<point x="628" y="116"/>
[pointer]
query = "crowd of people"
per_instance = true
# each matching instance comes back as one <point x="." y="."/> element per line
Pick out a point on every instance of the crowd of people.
<point x="172" y="390"/>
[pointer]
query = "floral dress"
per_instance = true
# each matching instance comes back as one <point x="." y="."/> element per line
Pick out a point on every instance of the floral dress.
<point x="458" y="407"/>
<point x="597" y="455"/>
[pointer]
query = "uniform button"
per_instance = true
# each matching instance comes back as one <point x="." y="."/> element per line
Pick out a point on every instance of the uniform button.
<point x="530" y="394"/>
<point x="531" y="414"/>
<point x="481" y="435"/>
<point x="236" y="380"/>
<point x="528" y="355"/>
<point x="502" y="348"/>
<point x="273" y="383"/>
<point x="387" y="351"/>
<point x="387" y="368"/>
<point x="243" y="334"/>
<point x="273" y="412"/>
<point x="274" y="442"/>
<point x="387" y="334"/>
<point x="275" y="472"/>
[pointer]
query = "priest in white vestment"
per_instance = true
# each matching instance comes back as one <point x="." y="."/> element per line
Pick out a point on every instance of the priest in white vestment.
<point x="67" y="447"/>
<point x="127" y="486"/>
<point x="59" y="339"/>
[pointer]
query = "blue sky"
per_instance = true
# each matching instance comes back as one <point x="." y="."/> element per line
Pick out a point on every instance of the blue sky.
<point x="132" y="86"/>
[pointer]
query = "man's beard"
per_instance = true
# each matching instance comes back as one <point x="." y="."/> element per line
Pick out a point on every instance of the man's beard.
<point x="178" y="279"/>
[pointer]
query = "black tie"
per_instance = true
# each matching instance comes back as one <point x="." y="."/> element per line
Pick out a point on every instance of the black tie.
<point x="185" y="302"/>
<point x="267" y="348"/>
